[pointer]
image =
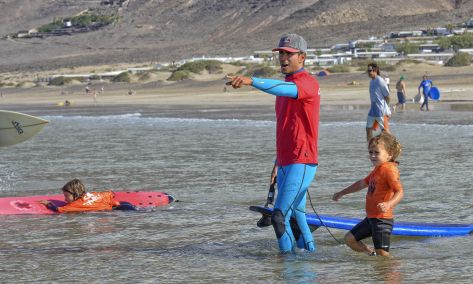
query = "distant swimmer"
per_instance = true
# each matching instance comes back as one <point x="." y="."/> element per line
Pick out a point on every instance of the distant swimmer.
<point x="425" y="84"/>
<point x="379" y="113"/>
<point x="297" y="128"/>
<point x="79" y="200"/>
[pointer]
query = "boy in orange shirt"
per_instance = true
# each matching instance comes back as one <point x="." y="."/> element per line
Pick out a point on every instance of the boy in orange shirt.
<point x="78" y="200"/>
<point x="384" y="193"/>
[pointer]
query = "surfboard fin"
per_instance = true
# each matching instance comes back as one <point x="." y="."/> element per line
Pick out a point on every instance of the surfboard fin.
<point x="265" y="221"/>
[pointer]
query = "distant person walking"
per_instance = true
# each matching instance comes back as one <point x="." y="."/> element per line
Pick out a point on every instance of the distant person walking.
<point x="379" y="113"/>
<point x="94" y="94"/>
<point x="401" y="94"/>
<point x="426" y="84"/>
<point x="387" y="80"/>
<point x="297" y="127"/>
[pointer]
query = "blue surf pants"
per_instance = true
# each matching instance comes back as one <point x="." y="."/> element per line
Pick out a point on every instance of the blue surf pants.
<point x="292" y="183"/>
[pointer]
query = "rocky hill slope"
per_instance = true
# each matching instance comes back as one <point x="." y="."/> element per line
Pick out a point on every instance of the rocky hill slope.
<point x="164" y="30"/>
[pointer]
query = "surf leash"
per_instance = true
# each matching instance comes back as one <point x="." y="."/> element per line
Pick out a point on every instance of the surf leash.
<point x="322" y="222"/>
<point x="265" y="221"/>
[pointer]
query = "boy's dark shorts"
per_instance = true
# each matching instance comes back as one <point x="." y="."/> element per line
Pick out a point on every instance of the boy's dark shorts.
<point x="379" y="229"/>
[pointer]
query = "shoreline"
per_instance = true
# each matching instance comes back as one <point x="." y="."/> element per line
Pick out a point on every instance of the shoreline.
<point x="442" y="114"/>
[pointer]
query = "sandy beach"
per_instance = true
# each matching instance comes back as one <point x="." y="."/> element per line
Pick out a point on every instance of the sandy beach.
<point x="349" y="88"/>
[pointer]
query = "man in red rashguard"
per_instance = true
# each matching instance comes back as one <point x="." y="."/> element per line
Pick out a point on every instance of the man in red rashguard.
<point x="297" y="123"/>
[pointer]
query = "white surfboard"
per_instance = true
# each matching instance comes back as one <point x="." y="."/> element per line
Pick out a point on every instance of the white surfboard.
<point x="16" y="127"/>
<point x="419" y="99"/>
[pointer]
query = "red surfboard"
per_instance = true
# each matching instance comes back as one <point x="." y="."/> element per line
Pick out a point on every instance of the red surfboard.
<point x="31" y="205"/>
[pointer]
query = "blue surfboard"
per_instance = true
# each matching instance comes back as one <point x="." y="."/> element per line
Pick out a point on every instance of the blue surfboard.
<point x="434" y="93"/>
<point x="400" y="228"/>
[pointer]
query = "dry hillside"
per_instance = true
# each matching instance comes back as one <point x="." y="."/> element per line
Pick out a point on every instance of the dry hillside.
<point x="163" y="30"/>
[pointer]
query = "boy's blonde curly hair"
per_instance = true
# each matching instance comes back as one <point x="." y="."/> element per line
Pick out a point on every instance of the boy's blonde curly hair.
<point x="390" y="143"/>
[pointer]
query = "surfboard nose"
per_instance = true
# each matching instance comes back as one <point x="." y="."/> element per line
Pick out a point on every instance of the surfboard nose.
<point x="16" y="127"/>
<point x="171" y="198"/>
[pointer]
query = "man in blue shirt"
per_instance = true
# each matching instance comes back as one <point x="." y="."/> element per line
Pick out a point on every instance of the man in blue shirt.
<point x="379" y="113"/>
<point x="426" y="84"/>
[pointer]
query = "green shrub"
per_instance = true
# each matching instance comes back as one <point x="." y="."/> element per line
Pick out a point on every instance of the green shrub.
<point x="78" y="21"/>
<point x="122" y="77"/>
<point x="94" y="77"/>
<point x="264" y="71"/>
<point x="87" y="19"/>
<point x="258" y="70"/>
<point x="459" y="59"/>
<point x="239" y="63"/>
<point x="456" y="41"/>
<point x="407" y="61"/>
<point x="214" y="67"/>
<point x="59" y="81"/>
<point x="366" y="45"/>
<point x="145" y="76"/>
<point x="211" y="66"/>
<point x="407" y="48"/>
<point x="179" y="75"/>
<point x="56" y="24"/>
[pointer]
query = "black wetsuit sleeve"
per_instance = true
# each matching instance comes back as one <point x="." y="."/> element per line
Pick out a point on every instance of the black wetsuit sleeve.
<point x="125" y="206"/>
<point x="53" y="207"/>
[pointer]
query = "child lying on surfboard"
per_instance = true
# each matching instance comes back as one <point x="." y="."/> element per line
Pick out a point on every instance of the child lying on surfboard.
<point x="79" y="200"/>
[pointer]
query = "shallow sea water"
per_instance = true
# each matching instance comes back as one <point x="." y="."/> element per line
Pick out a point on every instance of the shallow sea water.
<point x="217" y="161"/>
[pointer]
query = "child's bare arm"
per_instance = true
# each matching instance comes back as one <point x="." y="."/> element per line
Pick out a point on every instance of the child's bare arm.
<point x="356" y="186"/>
<point x="397" y="197"/>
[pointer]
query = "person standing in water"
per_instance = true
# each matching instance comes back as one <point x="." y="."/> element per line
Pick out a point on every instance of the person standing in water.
<point x="384" y="193"/>
<point x="401" y="94"/>
<point x="425" y="84"/>
<point x="379" y="113"/>
<point x="297" y="127"/>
